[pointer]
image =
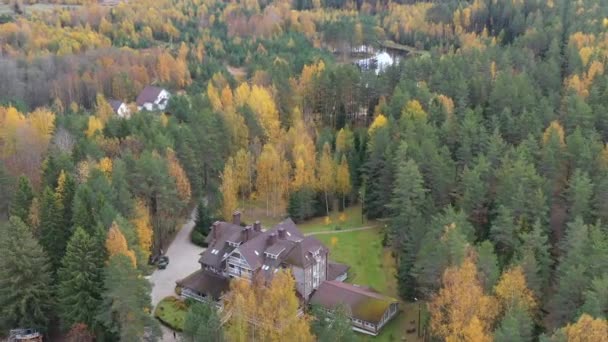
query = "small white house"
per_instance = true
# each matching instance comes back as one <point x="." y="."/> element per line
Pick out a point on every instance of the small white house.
<point x="378" y="62"/>
<point x="120" y="108"/>
<point x="153" y="98"/>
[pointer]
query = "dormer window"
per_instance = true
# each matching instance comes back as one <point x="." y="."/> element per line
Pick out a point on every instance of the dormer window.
<point x="271" y="256"/>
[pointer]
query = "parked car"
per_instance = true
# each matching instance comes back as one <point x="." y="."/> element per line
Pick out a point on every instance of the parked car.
<point x="163" y="261"/>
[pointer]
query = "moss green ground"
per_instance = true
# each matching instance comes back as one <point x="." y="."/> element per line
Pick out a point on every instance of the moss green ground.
<point x="172" y="312"/>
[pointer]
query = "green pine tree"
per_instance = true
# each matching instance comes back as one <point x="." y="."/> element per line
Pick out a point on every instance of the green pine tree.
<point x="20" y="206"/>
<point x="84" y="210"/>
<point x="6" y="189"/>
<point x="203" y="323"/>
<point x="515" y="325"/>
<point x="332" y="326"/>
<point x="579" y="194"/>
<point x="125" y="311"/>
<point x="503" y="233"/>
<point x="407" y="218"/>
<point x="80" y="276"/>
<point x="53" y="233"/>
<point x="487" y="263"/>
<point x="26" y="296"/>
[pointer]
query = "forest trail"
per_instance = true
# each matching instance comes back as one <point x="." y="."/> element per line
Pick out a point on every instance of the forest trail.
<point x="341" y="231"/>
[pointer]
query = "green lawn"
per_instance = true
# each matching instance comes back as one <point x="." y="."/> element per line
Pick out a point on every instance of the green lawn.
<point x="370" y="263"/>
<point x="374" y="266"/>
<point x="172" y="312"/>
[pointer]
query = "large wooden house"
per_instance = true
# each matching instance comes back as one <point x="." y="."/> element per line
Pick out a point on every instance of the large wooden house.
<point x="237" y="251"/>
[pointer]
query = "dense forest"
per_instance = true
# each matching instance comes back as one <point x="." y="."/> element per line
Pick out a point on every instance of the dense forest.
<point x="483" y="147"/>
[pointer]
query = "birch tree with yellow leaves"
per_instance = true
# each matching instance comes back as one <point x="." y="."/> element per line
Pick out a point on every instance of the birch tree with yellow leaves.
<point x="326" y="174"/>
<point x="461" y="311"/>
<point x="265" y="310"/>
<point x="272" y="182"/>
<point x="116" y="244"/>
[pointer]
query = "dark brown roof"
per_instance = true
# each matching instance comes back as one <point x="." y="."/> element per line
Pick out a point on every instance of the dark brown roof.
<point x="254" y="250"/>
<point x="149" y="94"/>
<point x="206" y="283"/>
<point x="218" y="242"/>
<point x="301" y="254"/>
<point x="364" y="303"/>
<point x="335" y="269"/>
<point x="115" y="104"/>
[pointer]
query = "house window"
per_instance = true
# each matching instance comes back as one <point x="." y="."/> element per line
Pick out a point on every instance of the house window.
<point x="236" y="255"/>
<point x="231" y="265"/>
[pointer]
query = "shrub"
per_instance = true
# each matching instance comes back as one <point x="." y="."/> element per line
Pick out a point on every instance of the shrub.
<point x="197" y="238"/>
<point x="172" y="313"/>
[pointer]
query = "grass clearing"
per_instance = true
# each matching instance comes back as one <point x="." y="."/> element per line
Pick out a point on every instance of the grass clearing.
<point x="363" y="251"/>
<point x="172" y="312"/>
<point x="374" y="266"/>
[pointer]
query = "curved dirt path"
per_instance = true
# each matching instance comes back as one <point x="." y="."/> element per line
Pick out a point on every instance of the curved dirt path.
<point x="324" y="232"/>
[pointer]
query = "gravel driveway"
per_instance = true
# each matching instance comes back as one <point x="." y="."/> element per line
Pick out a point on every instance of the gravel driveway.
<point x="183" y="260"/>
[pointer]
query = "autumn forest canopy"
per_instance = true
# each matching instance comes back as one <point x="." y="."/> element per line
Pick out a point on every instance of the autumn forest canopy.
<point x="482" y="148"/>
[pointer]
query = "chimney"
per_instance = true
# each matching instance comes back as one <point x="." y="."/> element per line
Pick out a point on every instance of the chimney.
<point x="257" y="226"/>
<point x="282" y="233"/>
<point x="236" y="218"/>
<point x="272" y="238"/>
<point x="245" y="233"/>
<point x="215" y="227"/>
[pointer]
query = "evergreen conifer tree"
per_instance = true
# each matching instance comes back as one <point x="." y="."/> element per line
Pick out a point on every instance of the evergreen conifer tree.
<point x="20" y="206"/>
<point x="80" y="276"/>
<point x="26" y="293"/>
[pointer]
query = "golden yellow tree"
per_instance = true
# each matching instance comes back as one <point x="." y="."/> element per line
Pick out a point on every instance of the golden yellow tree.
<point x="43" y="122"/>
<point x="176" y="171"/>
<point x="512" y="290"/>
<point x="229" y="190"/>
<point x="265" y="310"/>
<point x="343" y="185"/>
<point x="587" y="329"/>
<point x="379" y="121"/>
<point x="143" y="227"/>
<point x="103" y="109"/>
<point x="344" y="140"/>
<point x="303" y="153"/>
<point x="241" y="95"/>
<point x="95" y="125"/>
<point x="226" y="98"/>
<point x="105" y="165"/>
<point x="326" y="174"/>
<point x="214" y="97"/>
<point x="461" y="309"/>
<point x="117" y="244"/>
<point x="272" y="182"/>
<point x="262" y="104"/>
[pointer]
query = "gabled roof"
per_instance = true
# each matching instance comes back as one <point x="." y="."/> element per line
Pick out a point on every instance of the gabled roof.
<point x="218" y="242"/>
<point x="301" y="255"/>
<point x="115" y="104"/>
<point x="148" y="95"/>
<point x="254" y="250"/>
<point x="335" y="269"/>
<point x="364" y="303"/>
<point x="206" y="283"/>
